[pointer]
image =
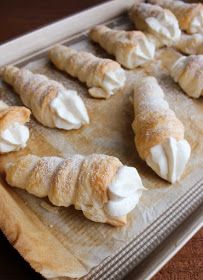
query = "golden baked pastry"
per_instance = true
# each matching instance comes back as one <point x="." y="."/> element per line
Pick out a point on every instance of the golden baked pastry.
<point x="190" y="44"/>
<point x="187" y="71"/>
<point x="99" y="185"/>
<point x="13" y="132"/>
<point x="51" y="103"/>
<point x="159" y="134"/>
<point x="131" y="48"/>
<point x="157" y="21"/>
<point x="104" y="77"/>
<point x="189" y="15"/>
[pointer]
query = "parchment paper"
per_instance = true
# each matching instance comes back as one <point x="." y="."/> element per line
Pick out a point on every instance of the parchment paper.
<point x="109" y="132"/>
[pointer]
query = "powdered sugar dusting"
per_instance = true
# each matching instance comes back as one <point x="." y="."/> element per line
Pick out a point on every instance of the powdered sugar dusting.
<point x="109" y="132"/>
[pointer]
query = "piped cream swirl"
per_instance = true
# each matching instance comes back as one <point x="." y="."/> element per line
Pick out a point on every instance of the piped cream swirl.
<point x="124" y="192"/>
<point x="142" y="52"/>
<point x="196" y="25"/>
<point x="188" y="72"/>
<point x="169" y="159"/>
<point x="69" y="110"/>
<point x="112" y="82"/>
<point x="165" y="27"/>
<point x="13" y="138"/>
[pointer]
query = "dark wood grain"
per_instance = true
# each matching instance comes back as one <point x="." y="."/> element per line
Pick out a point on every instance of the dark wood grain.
<point x="21" y="16"/>
<point x="187" y="264"/>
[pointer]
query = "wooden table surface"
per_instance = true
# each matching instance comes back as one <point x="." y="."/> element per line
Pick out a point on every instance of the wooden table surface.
<point x="21" y="16"/>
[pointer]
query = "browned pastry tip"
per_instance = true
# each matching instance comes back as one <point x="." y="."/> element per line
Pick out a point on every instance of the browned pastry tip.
<point x="10" y="114"/>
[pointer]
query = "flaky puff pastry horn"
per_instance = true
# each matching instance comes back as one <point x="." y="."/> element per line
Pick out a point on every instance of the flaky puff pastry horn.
<point x="159" y="135"/>
<point x="51" y="103"/>
<point x="13" y="132"/>
<point x="190" y="16"/>
<point x="187" y="71"/>
<point x="131" y="48"/>
<point x="104" y="77"/>
<point x="99" y="185"/>
<point x="190" y="44"/>
<point x="157" y="21"/>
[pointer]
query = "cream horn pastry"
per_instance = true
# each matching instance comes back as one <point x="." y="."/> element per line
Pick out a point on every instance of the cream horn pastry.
<point x="13" y="132"/>
<point x="190" y="44"/>
<point x="99" y="185"/>
<point x="131" y="48"/>
<point x="190" y="16"/>
<point x="51" y="103"/>
<point x="157" y="21"/>
<point x="159" y="134"/>
<point x="187" y="71"/>
<point x="104" y="77"/>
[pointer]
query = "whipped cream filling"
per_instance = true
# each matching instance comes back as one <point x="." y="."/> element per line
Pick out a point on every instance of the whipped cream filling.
<point x="140" y="54"/>
<point x="165" y="27"/>
<point x="177" y="66"/>
<point x="191" y="84"/>
<point x="124" y="192"/>
<point x="169" y="159"/>
<point x="13" y="138"/>
<point x="112" y="82"/>
<point x="157" y="43"/>
<point x="190" y="44"/>
<point x="70" y="111"/>
<point x="196" y="25"/>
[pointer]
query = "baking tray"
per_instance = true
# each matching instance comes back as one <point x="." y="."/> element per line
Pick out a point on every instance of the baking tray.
<point x="146" y="254"/>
